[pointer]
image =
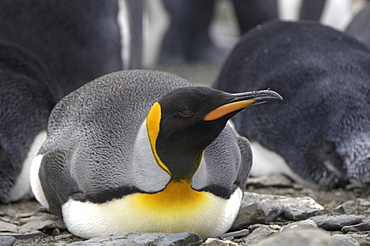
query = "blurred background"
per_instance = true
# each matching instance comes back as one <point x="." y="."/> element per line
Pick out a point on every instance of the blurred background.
<point x="224" y="29"/>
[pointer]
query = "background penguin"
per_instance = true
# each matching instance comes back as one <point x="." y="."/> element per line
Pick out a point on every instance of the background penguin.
<point x="188" y="39"/>
<point x="360" y="26"/>
<point x="126" y="153"/>
<point x="78" y="40"/>
<point x="311" y="9"/>
<point x="27" y="95"/>
<point x="321" y="129"/>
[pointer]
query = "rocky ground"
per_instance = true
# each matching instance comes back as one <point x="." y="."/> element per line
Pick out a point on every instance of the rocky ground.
<point x="275" y="211"/>
<point x="271" y="208"/>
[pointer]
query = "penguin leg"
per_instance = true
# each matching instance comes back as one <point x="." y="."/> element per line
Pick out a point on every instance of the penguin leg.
<point x="311" y="9"/>
<point x="187" y="38"/>
<point x="250" y="13"/>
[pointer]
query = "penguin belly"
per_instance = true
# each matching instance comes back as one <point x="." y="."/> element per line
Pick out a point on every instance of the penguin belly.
<point x="178" y="208"/>
<point x="266" y="162"/>
<point x="22" y="188"/>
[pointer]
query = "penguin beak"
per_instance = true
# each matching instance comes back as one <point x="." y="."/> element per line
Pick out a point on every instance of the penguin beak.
<point x="241" y="101"/>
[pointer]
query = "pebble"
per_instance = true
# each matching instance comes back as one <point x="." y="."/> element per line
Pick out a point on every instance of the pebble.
<point x="257" y="208"/>
<point x="273" y="180"/>
<point x="31" y="229"/>
<point x="7" y="240"/>
<point x="275" y="200"/>
<point x="235" y="234"/>
<point x="7" y="227"/>
<point x="219" y="242"/>
<point x="364" y="226"/>
<point x="310" y="237"/>
<point x="335" y="222"/>
<point x="304" y="224"/>
<point x="250" y="214"/>
<point x="136" y="239"/>
<point x="38" y="225"/>
<point x="258" y="234"/>
<point x="362" y="239"/>
<point x="365" y="203"/>
<point x="299" y="213"/>
<point x="344" y="240"/>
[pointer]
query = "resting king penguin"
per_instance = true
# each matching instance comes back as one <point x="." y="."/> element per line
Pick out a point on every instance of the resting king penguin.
<point x="144" y="151"/>
<point x="321" y="130"/>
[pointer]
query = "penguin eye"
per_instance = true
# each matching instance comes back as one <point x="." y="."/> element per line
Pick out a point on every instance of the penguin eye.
<point x="186" y="113"/>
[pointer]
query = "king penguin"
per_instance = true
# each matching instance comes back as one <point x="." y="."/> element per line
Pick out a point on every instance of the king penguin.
<point x="78" y="40"/>
<point x="27" y="94"/>
<point x="320" y="132"/>
<point x="144" y="151"/>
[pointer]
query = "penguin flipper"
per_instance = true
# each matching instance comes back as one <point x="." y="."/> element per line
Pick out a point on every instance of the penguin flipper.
<point x="228" y="161"/>
<point x="247" y="158"/>
<point x="56" y="181"/>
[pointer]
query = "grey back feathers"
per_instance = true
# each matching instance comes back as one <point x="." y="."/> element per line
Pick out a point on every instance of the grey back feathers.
<point x="27" y="95"/>
<point x="93" y="134"/>
<point x="321" y="128"/>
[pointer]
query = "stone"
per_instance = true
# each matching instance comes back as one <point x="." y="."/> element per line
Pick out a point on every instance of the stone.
<point x="339" y="210"/>
<point x="335" y="222"/>
<point x="250" y="214"/>
<point x="271" y="226"/>
<point x="273" y="180"/>
<point x="362" y="239"/>
<point x="349" y="206"/>
<point x="286" y="201"/>
<point x="258" y="234"/>
<point x="234" y="234"/>
<point x="136" y="239"/>
<point x="258" y="208"/>
<point x="7" y="240"/>
<point x="365" y="203"/>
<point x="300" y="225"/>
<point x="274" y="212"/>
<point x="299" y="213"/>
<point x="344" y="240"/>
<point x="8" y="227"/>
<point x="364" y="226"/>
<point x="24" y="235"/>
<point x="39" y="225"/>
<point x="219" y="242"/>
<point x="309" y="237"/>
<point x="39" y="216"/>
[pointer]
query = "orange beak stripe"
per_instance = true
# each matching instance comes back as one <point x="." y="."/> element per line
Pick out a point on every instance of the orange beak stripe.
<point x="227" y="109"/>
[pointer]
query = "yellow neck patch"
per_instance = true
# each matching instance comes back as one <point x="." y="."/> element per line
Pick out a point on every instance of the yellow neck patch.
<point x="178" y="198"/>
<point x="153" y="121"/>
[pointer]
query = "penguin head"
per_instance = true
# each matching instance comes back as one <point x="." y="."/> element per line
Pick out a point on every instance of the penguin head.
<point x="185" y="121"/>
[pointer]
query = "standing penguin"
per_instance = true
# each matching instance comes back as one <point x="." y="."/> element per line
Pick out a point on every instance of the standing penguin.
<point x="360" y="25"/>
<point x="321" y="130"/>
<point x="27" y="95"/>
<point x="128" y="152"/>
<point x="188" y="36"/>
<point x="78" y="40"/>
